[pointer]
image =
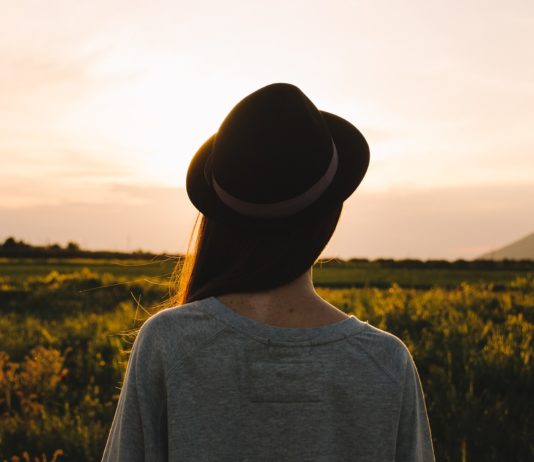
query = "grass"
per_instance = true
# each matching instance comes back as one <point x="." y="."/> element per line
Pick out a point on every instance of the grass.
<point x="65" y="338"/>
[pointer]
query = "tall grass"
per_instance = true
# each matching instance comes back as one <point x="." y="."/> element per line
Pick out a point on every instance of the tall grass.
<point x="65" y="339"/>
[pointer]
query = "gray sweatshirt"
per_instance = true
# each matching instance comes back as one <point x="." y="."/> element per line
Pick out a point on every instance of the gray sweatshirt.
<point x="204" y="383"/>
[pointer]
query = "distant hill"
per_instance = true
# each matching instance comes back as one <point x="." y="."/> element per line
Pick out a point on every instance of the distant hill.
<point x="517" y="250"/>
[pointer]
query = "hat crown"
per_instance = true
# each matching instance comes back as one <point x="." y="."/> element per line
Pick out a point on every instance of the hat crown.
<point x="272" y="146"/>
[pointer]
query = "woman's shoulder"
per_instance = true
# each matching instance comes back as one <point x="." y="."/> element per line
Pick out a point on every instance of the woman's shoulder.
<point x="386" y="349"/>
<point x="188" y="312"/>
<point x="179" y="329"/>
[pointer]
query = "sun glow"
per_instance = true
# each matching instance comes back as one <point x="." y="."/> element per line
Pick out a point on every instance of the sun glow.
<point x="108" y="110"/>
<point x="150" y="114"/>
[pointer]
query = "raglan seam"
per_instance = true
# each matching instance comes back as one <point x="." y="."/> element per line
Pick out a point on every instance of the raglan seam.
<point x="164" y="344"/>
<point x="155" y="348"/>
<point x="358" y="344"/>
<point x="401" y="402"/>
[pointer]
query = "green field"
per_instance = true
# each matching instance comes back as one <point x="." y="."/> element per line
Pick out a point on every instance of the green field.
<point x="65" y="332"/>
<point x="364" y="274"/>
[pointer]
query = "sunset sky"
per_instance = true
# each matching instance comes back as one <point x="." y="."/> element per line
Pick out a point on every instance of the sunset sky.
<point x="104" y="103"/>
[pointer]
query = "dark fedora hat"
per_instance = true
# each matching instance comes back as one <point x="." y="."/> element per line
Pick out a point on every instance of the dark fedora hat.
<point x="276" y="161"/>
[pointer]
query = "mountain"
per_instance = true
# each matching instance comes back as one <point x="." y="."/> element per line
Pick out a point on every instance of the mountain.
<point x="517" y="250"/>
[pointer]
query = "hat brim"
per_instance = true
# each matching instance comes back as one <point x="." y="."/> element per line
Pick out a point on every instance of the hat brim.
<point x="353" y="161"/>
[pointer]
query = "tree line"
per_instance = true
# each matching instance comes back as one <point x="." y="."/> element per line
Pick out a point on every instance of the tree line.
<point x="12" y="248"/>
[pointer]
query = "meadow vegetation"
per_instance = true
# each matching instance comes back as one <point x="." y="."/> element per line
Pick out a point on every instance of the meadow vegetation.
<point x="66" y="332"/>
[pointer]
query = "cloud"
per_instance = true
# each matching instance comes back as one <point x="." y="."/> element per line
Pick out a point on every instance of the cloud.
<point x="59" y="176"/>
<point x="449" y="109"/>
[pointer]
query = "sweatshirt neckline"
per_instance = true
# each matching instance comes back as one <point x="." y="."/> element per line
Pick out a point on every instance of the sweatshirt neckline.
<point x="269" y="333"/>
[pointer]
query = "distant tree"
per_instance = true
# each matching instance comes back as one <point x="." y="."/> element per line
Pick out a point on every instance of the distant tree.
<point x="409" y="263"/>
<point x="73" y="247"/>
<point x="386" y="262"/>
<point x="9" y="243"/>
<point x="438" y="263"/>
<point x="460" y="263"/>
<point x="358" y="260"/>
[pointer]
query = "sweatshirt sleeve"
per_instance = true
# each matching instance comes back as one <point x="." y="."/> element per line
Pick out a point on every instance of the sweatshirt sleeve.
<point x="414" y="439"/>
<point x="139" y="429"/>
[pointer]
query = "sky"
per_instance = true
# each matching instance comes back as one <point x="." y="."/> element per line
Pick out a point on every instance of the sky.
<point x="104" y="103"/>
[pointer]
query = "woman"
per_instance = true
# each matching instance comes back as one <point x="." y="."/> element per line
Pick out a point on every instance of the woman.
<point x="250" y="363"/>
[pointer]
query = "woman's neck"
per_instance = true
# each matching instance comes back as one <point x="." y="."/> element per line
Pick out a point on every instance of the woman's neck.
<point x="296" y="304"/>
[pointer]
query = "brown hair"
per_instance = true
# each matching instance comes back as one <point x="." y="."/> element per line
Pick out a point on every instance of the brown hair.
<point x="227" y="259"/>
<point x="223" y="259"/>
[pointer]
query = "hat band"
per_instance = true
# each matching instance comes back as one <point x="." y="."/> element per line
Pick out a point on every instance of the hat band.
<point x="282" y="208"/>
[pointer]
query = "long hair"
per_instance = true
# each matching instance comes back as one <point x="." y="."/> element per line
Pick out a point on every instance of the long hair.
<point x="224" y="259"/>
